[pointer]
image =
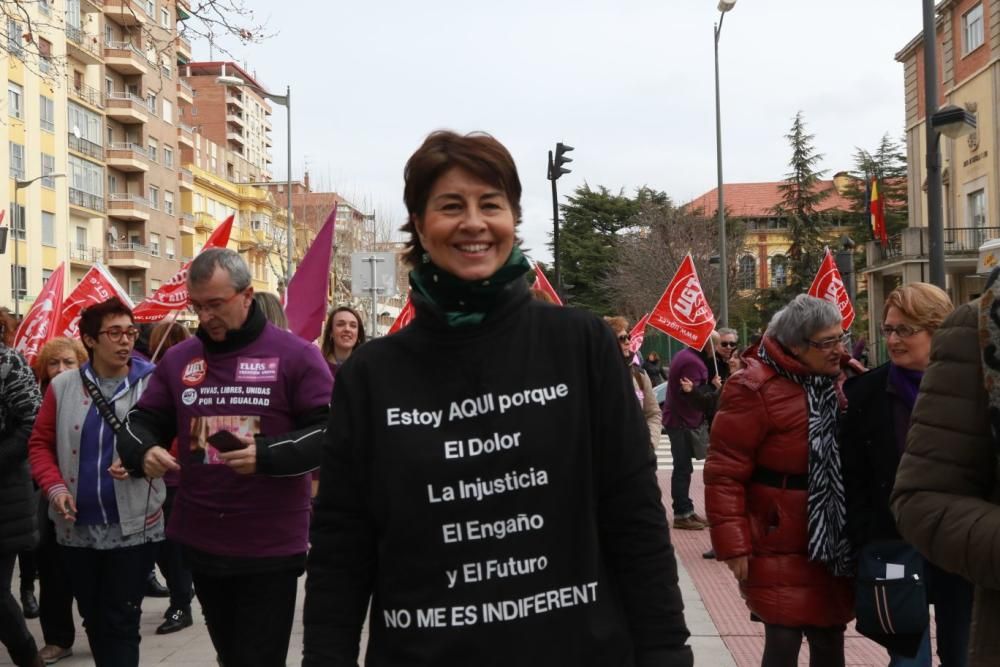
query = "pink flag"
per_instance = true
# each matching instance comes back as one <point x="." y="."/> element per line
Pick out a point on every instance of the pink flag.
<point x="638" y="334"/>
<point x="96" y="286"/>
<point x="40" y="322"/>
<point x="404" y="318"/>
<point x="173" y="295"/>
<point x="542" y="283"/>
<point x="306" y="296"/>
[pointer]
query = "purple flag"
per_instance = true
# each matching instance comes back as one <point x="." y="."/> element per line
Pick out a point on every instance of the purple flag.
<point x="305" y="298"/>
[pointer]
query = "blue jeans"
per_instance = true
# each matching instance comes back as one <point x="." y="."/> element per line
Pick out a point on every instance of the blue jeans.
<point x="680" y="478"/>
<point x="952" y="599"/>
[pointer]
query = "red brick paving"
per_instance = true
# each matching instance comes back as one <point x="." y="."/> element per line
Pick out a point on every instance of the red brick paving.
<point x="743" y="637"/>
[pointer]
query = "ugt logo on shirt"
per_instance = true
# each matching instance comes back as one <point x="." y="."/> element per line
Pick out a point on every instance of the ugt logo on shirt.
<point x="250" y="369"/>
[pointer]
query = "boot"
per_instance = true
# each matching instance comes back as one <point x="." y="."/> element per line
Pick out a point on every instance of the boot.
<point x="29" y="603"/>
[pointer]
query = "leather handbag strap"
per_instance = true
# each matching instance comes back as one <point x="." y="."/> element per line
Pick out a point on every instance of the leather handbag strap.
<point x="103" y="407"/>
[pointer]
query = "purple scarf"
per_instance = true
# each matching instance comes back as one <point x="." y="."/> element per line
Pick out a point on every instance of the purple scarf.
<point x="906" y="383"/>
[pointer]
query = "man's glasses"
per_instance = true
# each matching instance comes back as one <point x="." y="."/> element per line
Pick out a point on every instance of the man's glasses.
<point x="212" y="306"/>
<point x="828" y="344"/>
<point x="115" y="334"/>
<point x="624" y="338"/>
<point x="902" y="330"/>
<point x="727" y="343"/>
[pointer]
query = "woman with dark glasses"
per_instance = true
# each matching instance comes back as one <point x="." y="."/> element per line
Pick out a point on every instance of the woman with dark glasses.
<point x="641" y="383"/>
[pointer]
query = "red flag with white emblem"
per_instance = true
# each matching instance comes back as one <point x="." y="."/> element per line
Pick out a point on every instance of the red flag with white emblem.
<point x="39" y="324"/>
<point x="683" y="312"/>
<point x="404" y="318"/>
<point x="96" y="286"/>
<point x="829" y="285"/>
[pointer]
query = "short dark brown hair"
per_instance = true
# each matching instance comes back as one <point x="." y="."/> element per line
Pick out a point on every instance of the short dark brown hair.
<point x="477" y="153"/>
<point x="91" y="318"/>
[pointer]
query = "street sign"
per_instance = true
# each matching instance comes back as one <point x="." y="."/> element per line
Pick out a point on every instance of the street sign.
<point x="373" y="269"/>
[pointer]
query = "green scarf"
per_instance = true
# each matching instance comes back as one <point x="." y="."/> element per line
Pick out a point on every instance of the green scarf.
<point x="465" y="302"/>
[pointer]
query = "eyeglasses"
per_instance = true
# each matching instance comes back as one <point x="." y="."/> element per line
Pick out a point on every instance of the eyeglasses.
<point x="727" y="343"/>
<point x="828" y="344"/>
<point x="212" y="306"/>
<point x="115" y="334"/>
<point x="624" y="338"/>
<point x="902" y="330"/>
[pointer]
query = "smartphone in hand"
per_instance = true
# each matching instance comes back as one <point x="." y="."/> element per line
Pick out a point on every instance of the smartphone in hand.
<point x="225" y="441"/>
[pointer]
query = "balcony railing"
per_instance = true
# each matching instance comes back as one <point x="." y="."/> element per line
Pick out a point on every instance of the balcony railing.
<point x="88" y="148"/>
<point x="86" y="42"/>
<point x="913" y="243"/>
<point x="119" y="146"/>
<point x="184" y="86"/>
<point x="83" y="92"/>
<point x="86" y="200"/>
<point x="84" y="253"/>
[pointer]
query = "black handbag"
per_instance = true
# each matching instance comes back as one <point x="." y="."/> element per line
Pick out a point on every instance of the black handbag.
<point x="892" y="610"/>
<point x="699" y="441"/>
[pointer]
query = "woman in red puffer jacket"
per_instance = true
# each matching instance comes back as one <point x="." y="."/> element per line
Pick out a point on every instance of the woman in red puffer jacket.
<point x="773" y="464"/>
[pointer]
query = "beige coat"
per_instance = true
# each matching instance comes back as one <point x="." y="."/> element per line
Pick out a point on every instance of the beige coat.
<point x="649" y="406"/>
<point x="946" y="498"/>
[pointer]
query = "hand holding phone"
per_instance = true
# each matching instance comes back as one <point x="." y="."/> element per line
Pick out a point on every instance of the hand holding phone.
<point x="225" y="441"/>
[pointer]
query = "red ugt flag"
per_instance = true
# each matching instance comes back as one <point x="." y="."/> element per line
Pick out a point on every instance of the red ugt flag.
<point x="40" y="322"/>
<point x="683" y="312"/>
<point x="542" y="283"/>
<point x="829" y="285"/>
<point x="96" y="286"/>
<point x="173" y="295"/>
<point x="404" y="318"/>
<point x="305" y="301"/>
<point x="638" y="334"/>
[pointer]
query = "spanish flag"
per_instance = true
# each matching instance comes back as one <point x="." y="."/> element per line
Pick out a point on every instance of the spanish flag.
<point x="877" y="209"/>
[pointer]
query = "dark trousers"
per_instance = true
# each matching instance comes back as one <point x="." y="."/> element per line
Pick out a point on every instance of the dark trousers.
<point x="109" y="586"/>
<point x="28" y="567"/>
<point x="249" y="616"/>
<point x="782" y="644"/>
<point x="169" y="557"/>
<point x="55" y="593"/>
<point x="680" y="479"/>
<point x="14" y="633"/>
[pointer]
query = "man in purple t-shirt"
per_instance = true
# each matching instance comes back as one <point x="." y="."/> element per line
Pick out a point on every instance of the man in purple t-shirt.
<point x="247" y="403"/>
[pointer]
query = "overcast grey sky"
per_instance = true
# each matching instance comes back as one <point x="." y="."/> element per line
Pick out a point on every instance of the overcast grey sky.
<point x="629" y="84"/>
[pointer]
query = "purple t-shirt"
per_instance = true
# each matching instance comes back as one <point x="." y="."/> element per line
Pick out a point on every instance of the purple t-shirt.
<point x="261" y="388"/>
<point x="678" y="411"/>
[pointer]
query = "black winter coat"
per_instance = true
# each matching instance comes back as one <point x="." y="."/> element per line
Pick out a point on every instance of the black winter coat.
<point x="19" y="401"/>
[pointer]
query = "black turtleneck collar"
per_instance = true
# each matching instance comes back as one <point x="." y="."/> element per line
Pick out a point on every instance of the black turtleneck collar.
<point x="236" y="339"/>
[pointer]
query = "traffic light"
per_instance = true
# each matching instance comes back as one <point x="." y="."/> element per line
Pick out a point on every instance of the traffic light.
<point x="556" y="168"/>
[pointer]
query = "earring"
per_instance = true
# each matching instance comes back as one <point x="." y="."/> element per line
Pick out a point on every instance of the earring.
<point x="425" y="258"/>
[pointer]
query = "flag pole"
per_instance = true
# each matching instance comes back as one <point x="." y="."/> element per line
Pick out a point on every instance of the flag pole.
<point x="715" y="359"/>
<point x="171" y="318"/>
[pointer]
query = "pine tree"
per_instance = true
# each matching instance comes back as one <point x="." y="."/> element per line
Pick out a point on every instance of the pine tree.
<point x="800" y="197"/>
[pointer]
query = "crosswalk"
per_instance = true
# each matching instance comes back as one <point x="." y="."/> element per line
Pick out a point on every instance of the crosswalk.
<point x="664" y="460"/>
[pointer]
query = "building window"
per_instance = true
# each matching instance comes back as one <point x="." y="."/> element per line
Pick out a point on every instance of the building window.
<point x="16" y="160"/>
<point x="779" y="272"/>
<point x="165" y="17"/>
<point x="44" y="55"/>
<point x="977" y="209"/>
<point x="153" y="196"/>
<point x="135" y="290"/>
<point x="18" y="281"/>
<point x="15" y="100"/>
<point x="168" y="156"/>
<point x="168" y="111"/>
<point x="14" y="39"/>
<point x="48" y="228"/>
<point x="168" y="203"/>
<point x="171" y="248"/>
<point x="48" y="167"/>
<point x="87" y="123"/>
<point x="746" y="277"/>
<point x="150" y="8"/>
<point x="48" y="108"/>
<point x="154" y="244"/>
<point x="17" y="225"/>
<point x="151" y="103"/>
<point x="972" y="22"/>
<point x="46" y="274"/>
<point x="154" y="146"/>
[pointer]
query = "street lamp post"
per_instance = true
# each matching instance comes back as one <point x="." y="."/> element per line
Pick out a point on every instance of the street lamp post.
<point x="16" y="277"/>
<point x="285" y="101"/>
<point x="951" y="121"/>
<point x="724" y="6"/>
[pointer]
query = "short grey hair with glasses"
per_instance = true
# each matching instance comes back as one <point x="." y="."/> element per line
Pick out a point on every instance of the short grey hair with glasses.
<point x="726" y="331"/>
<point x="799" y="321"/>
<point x="204" y="265"/>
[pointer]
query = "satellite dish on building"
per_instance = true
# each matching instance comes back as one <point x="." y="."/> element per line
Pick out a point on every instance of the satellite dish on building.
<point x="76" y="131"/>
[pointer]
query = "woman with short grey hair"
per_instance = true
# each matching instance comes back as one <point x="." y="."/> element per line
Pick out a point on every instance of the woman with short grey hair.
<point x="773" y="486"/>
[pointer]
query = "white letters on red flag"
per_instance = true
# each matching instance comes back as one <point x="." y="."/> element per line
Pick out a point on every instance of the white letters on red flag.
<point x="404" y="318"/>
<point x="173" y="295"/>
<point x="638" y="334"/>
<point x="41" y="320"/>
<point x="542" y="283"/>
<point x="683" y="312"/>
<point x="96" y="286"/>
<point x="829" y="285"/>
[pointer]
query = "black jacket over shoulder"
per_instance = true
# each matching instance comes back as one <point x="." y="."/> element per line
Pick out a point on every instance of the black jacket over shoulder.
<point x="19" y="401"/>
<point x="496" y="505"/>
<point x="869" y="456"/>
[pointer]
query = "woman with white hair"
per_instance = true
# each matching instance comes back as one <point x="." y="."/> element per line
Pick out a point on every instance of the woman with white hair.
<point x="774" y="490"/>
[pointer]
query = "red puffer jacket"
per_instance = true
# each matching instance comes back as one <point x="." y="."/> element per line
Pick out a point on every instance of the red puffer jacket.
<point x="763" y="422"/>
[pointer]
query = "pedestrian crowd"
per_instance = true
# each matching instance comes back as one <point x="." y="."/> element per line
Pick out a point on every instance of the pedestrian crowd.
<point x="475" y="497"/>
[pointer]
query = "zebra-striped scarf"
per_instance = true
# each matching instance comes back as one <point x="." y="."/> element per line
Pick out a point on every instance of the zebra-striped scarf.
<point x="827" y="512"/>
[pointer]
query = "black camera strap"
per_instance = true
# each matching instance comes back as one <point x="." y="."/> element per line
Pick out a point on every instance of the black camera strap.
<point x="103" y="407"/>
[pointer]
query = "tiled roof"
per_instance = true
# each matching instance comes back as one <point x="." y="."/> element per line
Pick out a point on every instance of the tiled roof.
<point x="753" y="200"/>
